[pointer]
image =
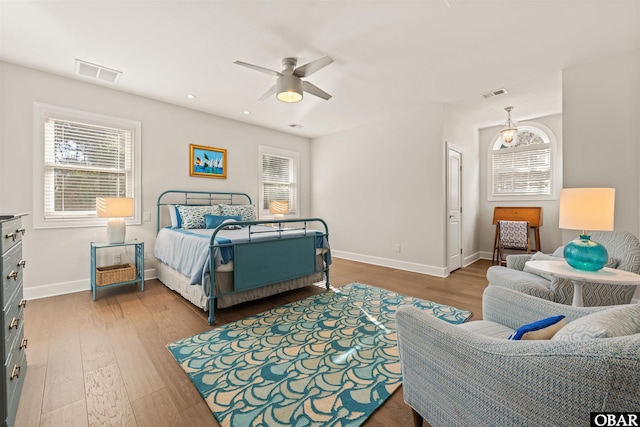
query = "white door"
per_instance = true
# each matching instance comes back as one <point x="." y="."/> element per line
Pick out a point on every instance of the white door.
<point x="454" y="207"/>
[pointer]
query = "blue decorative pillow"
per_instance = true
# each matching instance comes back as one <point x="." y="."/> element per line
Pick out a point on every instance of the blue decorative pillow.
<point x="212" y="221"/>
<point x="542" y="329"/>
<point x="178" y="218"/>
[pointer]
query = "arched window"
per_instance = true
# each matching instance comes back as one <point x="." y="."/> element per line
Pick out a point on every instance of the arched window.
<point x="523" y="169"/>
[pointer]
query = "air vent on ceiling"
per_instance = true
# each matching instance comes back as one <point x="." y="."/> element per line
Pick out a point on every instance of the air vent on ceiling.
<point x="494" y="93"/>
<point x="95" y="71"/>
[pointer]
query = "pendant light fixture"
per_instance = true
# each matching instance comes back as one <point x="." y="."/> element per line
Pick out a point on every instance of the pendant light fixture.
<point x="510" y="128"/>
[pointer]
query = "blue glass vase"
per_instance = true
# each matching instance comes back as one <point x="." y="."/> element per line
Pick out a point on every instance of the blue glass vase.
<point x="584" y="254"/>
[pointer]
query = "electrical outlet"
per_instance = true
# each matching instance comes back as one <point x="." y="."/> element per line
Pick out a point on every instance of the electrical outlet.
<point x="116" y="258"/>
<point x="397" y="247"/>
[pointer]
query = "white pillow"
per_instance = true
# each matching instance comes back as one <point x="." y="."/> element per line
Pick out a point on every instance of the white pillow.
<point x="615" y="322"/>
<point x="173" y="215"/>
<point x="231" y="225"/>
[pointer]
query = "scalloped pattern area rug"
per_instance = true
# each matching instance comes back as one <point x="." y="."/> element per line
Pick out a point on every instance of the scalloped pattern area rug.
<point x="327" y="360"/>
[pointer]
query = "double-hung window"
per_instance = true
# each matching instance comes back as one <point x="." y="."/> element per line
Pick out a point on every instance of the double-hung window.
<point x="80" y="156"/>
<point x="523" y="170"/>
<point x="278" y="174"/>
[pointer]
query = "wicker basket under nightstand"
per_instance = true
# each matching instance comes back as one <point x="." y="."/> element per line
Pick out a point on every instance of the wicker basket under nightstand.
<point x="111" y="274"/>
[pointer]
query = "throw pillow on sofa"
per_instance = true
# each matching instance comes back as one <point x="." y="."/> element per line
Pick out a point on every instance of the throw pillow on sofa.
<point x="542" y="329"/>
<point x="614" y="322"/>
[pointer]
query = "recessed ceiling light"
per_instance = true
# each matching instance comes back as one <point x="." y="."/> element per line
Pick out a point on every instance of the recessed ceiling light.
<point x="191" y="96"/>
<point x="295" y="126"/>
<point x="246" y="112"/>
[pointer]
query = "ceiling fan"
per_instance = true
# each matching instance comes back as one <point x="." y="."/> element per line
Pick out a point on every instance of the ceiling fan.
<point x="289" y="85"/>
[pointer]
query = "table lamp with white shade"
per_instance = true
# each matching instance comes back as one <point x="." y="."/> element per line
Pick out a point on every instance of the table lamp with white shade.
<point x="116" y="209"/>
<point x="278" y="208"/>
<point x="586" y="209"/>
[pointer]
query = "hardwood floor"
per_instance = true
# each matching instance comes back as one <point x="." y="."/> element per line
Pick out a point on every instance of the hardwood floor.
<point x="105" y="362"/>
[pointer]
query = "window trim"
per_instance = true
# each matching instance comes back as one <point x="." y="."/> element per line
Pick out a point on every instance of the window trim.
<point x="295" y="156"/>
<point x="555" y="179"/>
<point x="43" y="111"/>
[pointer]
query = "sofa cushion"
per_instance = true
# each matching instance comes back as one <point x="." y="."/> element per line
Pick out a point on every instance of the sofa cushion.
<point x="614" y="322"/>
<point x="506" y="277"/>
<point x="539" y="256"/>
<point x="487" y="328"/>
<point x="542" y="329"/>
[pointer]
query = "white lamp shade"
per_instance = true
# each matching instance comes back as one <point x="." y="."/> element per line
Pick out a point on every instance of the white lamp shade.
<point x="115" y="208"/>
<point x="587" y="209"/>
<point x="278" y="208"/>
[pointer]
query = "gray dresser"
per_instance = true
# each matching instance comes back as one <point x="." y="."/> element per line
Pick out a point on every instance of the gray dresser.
<point x="13" y="341"/>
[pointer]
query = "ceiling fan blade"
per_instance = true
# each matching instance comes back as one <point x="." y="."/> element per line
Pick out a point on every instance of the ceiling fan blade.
<point x="315" y="90"/>
<point x="258" y="68"/>
<point x="267" y="94"/>
<point x="307" y="69"/>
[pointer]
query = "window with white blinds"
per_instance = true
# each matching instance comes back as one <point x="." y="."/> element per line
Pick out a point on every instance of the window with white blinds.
<point x="278" y="179"/>
<point x="524" y="169"/>
<point x="84" y="156"/>
<point x="522" y="172"/>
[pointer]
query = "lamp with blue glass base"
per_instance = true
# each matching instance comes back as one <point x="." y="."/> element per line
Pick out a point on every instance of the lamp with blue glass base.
<point x="586" y="209"/>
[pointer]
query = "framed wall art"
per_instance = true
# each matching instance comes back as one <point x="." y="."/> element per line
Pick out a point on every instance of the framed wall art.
<point x="208" y="162"/>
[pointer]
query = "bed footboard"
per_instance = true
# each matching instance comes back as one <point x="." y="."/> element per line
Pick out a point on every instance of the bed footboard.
<point x="261" y="263"/>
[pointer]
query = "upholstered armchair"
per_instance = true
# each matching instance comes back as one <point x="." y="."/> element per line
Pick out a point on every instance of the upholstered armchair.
<point x="624" y="254"/>
<point x="471" y="375"/>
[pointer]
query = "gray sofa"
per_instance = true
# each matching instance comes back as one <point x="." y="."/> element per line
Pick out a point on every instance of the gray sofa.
<point x="469" y="375"/>
<point x="624" y="254"/>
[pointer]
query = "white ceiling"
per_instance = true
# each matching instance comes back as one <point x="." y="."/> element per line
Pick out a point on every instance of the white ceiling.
<point x="390" y="56"/>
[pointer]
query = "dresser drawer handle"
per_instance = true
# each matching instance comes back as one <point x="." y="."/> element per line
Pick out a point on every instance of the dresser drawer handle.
<point x="11" y="236"/>
<point x="15" y="372"/>
<point x="23" y="303"/>
<point x="23" y="344"/>
<point x="14" y="323"/>
<point x="20" y="230"/>
<point x="13" y="275"/>
<point x="22" y="263"/>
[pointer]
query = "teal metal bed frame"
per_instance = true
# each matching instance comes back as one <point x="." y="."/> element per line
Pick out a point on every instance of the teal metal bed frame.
<point x="257" y="263"/>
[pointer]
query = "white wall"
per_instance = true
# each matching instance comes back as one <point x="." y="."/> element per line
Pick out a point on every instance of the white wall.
<point x="58" y="259"/>
<point x="458" y="132"/>
<point x="601" y="104"/>
<point x="383" y="184"/>
<point x="550" y="234"/>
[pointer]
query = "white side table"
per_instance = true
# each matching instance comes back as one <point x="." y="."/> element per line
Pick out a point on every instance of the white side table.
<point x="579" y="278"/>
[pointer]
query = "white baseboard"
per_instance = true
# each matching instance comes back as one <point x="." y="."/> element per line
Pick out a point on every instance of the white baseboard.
<point x="62" y="288"/>
<point x="392" y="263"/>
<point x="467" y="261"/>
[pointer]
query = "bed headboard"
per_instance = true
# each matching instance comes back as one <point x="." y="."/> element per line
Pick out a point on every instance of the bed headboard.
<point x="194" y="198"/>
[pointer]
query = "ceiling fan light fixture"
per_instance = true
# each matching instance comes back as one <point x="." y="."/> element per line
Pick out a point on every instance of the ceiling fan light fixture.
<point x="509" y="129"/>
<point x="289" y="88"/>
